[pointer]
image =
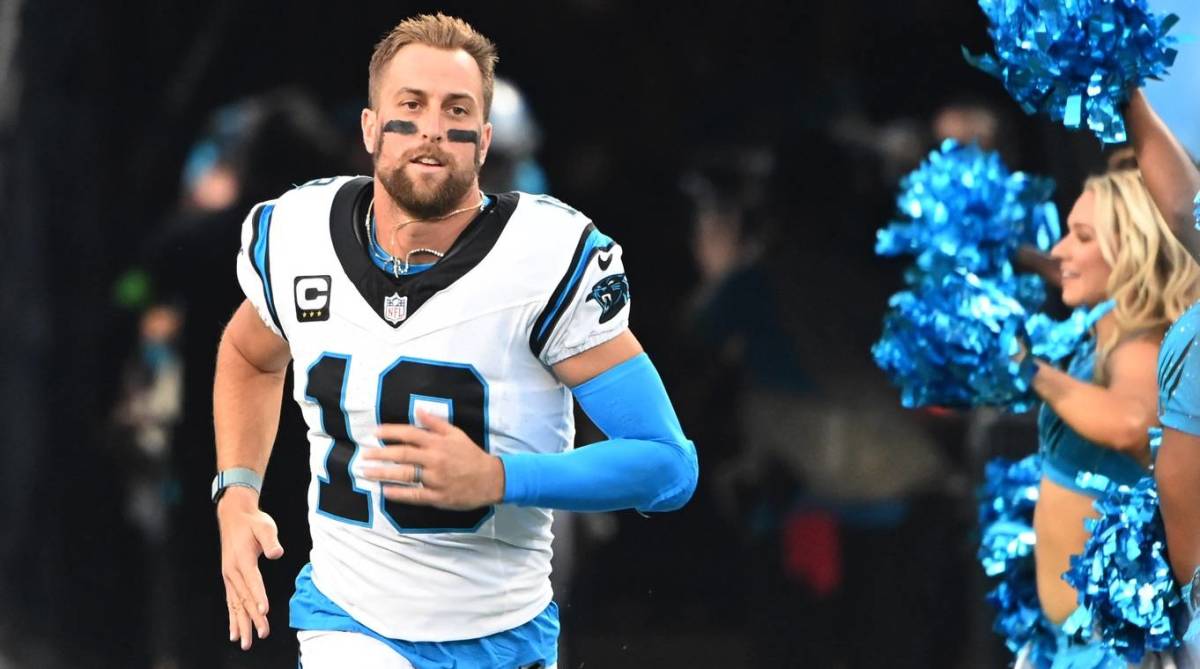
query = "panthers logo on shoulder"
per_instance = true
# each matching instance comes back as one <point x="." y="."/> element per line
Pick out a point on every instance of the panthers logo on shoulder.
<point x="611" y="293"/>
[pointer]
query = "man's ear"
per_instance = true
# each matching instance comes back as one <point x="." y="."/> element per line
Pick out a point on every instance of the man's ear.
<point x="370" y="129"/>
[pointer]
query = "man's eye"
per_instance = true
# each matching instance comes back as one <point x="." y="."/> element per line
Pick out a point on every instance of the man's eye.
<point x="458" y="111"/>
<point x="411" y="105"/>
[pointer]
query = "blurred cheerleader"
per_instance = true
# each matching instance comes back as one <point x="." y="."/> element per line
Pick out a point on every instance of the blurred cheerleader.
<point x="1120" y="259"/>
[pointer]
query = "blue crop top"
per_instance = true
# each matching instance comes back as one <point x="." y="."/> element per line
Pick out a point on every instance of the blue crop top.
<point x="1178" y="369"/>
<point x="1065" y="454"/>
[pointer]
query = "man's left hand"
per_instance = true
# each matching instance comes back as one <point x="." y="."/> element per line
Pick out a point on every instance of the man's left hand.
<point x="454" y="472"/>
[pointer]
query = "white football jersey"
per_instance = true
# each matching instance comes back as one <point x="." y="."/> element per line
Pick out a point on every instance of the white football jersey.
<point x="528" y="283"/>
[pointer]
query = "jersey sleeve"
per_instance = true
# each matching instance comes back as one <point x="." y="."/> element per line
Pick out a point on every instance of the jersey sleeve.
<point x="590" y="304"/>
<point x="1178" y="375"/>
<point x="254" y="264"/>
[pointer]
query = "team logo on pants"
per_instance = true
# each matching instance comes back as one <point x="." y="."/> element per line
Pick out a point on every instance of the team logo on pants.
<point x="395" y="308"/>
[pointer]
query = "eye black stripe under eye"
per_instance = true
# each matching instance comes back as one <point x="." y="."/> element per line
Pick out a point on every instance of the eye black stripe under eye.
<point x="401" y="127"/>
<point x="468" y="136"/>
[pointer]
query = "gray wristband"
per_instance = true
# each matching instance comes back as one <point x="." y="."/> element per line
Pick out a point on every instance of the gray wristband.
<point x="247" y="478"/>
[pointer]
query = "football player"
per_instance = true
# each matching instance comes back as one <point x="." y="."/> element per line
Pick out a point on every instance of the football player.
<point x="437" y="335"/>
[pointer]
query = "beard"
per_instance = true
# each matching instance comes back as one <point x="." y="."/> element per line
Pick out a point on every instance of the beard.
<point x="425" y="197"/>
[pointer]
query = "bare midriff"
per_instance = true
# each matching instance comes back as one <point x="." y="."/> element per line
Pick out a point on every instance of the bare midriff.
<point x="1058" y="524"/>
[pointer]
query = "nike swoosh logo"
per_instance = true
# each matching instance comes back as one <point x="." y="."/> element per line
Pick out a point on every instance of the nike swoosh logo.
<point x="604" y="261"/>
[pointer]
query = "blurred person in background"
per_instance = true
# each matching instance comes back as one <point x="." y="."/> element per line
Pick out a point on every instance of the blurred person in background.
<point x="899" y="144"/>
<point x="251" y="148"/>
<point x="1119" y="258"/>
<point x="968" y="122"/>
<point x="144" y="424"/>
<point x="516" y="137"/>
<point x="837" y="491"/>
<point x="448" y="407"/>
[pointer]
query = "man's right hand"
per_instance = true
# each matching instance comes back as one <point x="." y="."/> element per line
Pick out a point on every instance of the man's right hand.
<point x="246" y="533"/>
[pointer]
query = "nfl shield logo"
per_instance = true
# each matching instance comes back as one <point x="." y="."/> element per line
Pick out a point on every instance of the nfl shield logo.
<point x="395" y="308"/>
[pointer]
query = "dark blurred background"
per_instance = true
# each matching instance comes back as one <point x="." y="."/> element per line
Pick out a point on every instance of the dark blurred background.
<point x="742" y="153"/>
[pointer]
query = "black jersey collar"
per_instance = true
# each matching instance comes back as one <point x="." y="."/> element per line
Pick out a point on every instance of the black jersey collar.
<point x="395" y="299"/>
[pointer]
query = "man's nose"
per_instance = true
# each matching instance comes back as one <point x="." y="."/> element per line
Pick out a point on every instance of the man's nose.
<point x="431" y="127"/>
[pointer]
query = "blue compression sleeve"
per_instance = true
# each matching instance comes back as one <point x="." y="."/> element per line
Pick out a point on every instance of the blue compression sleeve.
<point x="646" y="464"/>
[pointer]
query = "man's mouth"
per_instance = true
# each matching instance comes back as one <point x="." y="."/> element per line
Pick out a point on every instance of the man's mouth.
<point x="429" y="161"/>
<point x="1069" y="275"/>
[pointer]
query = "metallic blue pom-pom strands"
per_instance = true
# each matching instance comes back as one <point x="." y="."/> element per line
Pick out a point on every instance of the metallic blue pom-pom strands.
<point x="953" y="337"/>
<point x="963" y="210"/>
<point x="1077" y="60"/>
<point x="1128" y="596"/>
<point x="1007" y="499"/>
<point x="952" y="342"/>
<point x="1006" y="503"/>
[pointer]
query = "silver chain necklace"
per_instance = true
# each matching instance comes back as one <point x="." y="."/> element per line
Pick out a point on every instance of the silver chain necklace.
<point x="399" y="269"/>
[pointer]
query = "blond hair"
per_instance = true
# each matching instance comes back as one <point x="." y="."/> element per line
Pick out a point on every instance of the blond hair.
<point x="441" y="32"/>
<point x="1154" y="279"/>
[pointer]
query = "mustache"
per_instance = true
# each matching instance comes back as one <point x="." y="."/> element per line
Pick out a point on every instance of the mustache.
<point x="430" y="150"/>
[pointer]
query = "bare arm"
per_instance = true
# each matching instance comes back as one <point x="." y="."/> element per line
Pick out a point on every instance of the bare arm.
<point x="1117" y="416"/>
<point x="247" y="391"/>
<point x="592" y="362"/>
<point x="1171" y="176"/>
<point x="1178" y="473"/>
<point x="1033" y="259"/>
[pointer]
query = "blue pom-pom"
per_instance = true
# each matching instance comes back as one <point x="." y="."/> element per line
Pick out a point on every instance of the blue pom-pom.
<point x="1006" y="503"/>
<point x="963" y="210"/>
<point x="1053" y="341"/>
<point x="1077" y="60"/>
<point x="1127" y="594"/>
<point x="1019" y="619"/>
<point x="950" y="339"/>
<point x="952" y="342"/>
<point x="1056" y="339"/>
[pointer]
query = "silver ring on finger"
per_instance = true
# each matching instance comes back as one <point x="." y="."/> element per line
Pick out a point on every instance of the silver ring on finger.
<point x="417" y="471"/>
